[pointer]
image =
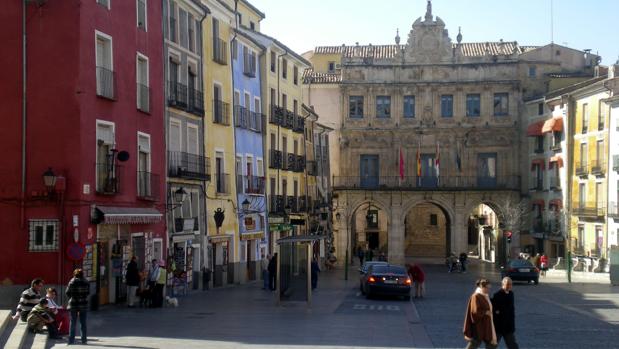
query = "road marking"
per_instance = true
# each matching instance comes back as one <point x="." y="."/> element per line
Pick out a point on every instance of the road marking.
<point x="376" y="307"/>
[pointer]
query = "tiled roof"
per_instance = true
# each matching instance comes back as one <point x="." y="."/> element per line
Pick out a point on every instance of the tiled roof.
<point x="468" y="49"/>
<point x="310" y="76"/>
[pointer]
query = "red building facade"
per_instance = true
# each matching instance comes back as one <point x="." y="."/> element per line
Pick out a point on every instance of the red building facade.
<point x="92" y="116"/>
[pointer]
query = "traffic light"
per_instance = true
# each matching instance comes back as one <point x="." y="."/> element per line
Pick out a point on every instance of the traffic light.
<point x="508" y="234"/>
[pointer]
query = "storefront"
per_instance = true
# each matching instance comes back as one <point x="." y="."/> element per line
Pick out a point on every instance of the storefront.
<point x="219" y="250"/>
<point x="250" y="244"/>
<point x="122" y="232"/>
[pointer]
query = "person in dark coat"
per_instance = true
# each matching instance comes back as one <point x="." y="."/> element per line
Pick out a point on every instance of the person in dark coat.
<point x="273" y="272"/>
<point x="504" y="315"/>
<point x="361" y="255"/>
<point x="315" y="271"/>
<point x="78" y="291"/>
<point x="478" y="323"/>
<point x="133" y="282"/>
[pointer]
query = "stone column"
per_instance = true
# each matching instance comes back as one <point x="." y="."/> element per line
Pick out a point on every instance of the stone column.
<point x="459" y="231"/>
<point x="396" y="235"/>
<point x="341" y="238"/>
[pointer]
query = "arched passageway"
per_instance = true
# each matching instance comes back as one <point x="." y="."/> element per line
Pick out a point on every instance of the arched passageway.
<point x="427" y="231"/>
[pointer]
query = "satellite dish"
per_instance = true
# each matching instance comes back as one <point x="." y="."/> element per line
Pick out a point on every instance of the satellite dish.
<point x="123" y="156"/>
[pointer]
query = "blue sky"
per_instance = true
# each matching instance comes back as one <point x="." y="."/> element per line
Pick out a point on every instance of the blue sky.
<point x="580" y="24"/>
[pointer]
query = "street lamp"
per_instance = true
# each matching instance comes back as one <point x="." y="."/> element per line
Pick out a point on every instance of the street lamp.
<point x="245" y="205"/>
<point x="49" y="178"/>
<point x="180" y="195"/>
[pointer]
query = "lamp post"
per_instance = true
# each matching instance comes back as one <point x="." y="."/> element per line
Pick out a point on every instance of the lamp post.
<point x="49" y="178"/>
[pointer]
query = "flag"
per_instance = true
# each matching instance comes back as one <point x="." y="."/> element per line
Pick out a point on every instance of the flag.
<point x="437" y="161"/>
<point x="419" y="159"/>
<point x="401" y="164"/>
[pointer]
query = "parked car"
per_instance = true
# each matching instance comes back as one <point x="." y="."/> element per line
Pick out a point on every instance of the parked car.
<point x="388" y="280"/>
<point x="521" y="270"/>
<point x="364" y="269"/>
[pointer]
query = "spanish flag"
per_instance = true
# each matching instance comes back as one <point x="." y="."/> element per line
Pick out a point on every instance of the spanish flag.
<point x="419" y="160"/>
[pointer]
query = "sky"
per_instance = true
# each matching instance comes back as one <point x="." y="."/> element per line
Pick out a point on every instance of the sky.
<point x="579" y="24"/>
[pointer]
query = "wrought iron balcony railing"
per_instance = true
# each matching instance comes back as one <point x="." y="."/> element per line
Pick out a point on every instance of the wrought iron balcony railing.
<point x="221" y="112"/>
<point x="312" y="168"/>
<point x="299" y="164"/>
<point x="148" y="185"/>
<point x="275" y="159"/>
<point x="241" y="117"/>
<point x="444" y="183"/>
<point x="276" y="203"/>
<point x="189" y="166"/>
<point x="254" y="184"/>
<point x="581" y="168"/>
<point x="255" y="121"/>
<point x="290" y="162"/>
<point x="299" y="124"/>
<point x="195" y="104"/>
<point x="277" y="115"/>
<point x="292" y="203"/>
<point x="106" y="83"/>
<point x="177" y="95"/>
<point x="108" y="179"/>
<point x="186" y="224"/>
<point x="589" y="209"/>
<point x="598" y="166"/>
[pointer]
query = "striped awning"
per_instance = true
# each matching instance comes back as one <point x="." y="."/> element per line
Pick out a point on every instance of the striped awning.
<point x="127" y="215"/>
<point x="554" y="124"/>
<point x="558" y="159"/>
<point x="535" y="129"/>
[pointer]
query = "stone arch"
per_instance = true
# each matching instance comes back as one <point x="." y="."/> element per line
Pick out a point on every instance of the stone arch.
<point x="422" y="241"/>
<point x="490" y="243"/>
<point x="375" y="238"/>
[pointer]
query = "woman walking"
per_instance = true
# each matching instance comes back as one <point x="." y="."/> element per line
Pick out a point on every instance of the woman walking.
<point x="78" y="291"/>
<point x="478" y="323"/>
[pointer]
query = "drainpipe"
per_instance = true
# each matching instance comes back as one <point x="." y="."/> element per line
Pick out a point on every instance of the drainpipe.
<point x="23" y="120"/>
<point x="279" y="124"/>
<point x="204" y="237"/>
<point x="232" y="49"/>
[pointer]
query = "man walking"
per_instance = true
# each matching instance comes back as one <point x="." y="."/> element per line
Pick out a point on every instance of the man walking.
<point x="360" y="255"/>
<point x="273" y="273"/>
<point x="264" y="265"/>
<point x="133" y="281"/>
<point x="153" y="277"/>
<point x="504" y="315"/>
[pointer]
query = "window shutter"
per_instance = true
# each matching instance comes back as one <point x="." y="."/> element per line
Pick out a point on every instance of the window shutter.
<point x="105" y="133"/>
<point x="175" y="142"/>
<point x="144" y="144"/>
<point x="192" y="140"/>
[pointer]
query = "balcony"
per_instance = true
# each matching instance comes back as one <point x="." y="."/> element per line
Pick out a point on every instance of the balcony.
<point x="186" y="224"/>
<point x="299" y="124"/>
<point x="275" y="159"/>
<point x="299" y="164"/>
<point x="254" y="185"/>
<point x="589" y="209"/>
<point x="148" y="185"/>
<point x="276" y="204"/>
<point x="292" y="203"/>
<point x="289" y="120"/>
<point x="108" y="179"/>
<point x="220" y="51"/>
<point x="222" y="185"/>
<point x="302" y="203"/>
<point x="290" y="162"/>
<point x="312" y="168"/>
<point x="538" y="150"/>
<point x="177" y="95"/>
<point x="249" y="65"/>
<point x="195" y="104"/>
<point x="143" y="93"/>
<point x="581" y="168"/>
<point x="255" y="121"/>
<point x="188" y="166"/>
<point x="613" y="209"/>
<point x="241" y="117"/>
<point x="277" y="115"/>
<point x="221" y="112"/>
<point x="598" y="167"/>
<point x="536" y="183"/>
<point x="423" y="183"/>
<point x="555" y="183"/>
<point x="106" y="83"/>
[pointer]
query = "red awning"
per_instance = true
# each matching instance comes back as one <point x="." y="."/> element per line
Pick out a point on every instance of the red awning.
<point x="539" y="203"/>
<point x="554" y="124"/>
<point x="540" y="162"/>
<point x="557" y="203"/>
<point x="535" y="129"/>
<point x="558" y="159"/>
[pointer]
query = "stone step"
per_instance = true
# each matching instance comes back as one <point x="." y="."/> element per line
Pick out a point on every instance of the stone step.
<point x="18" y="336"/>
<point x="5" y="318"/>
<point x="40" y="341"/>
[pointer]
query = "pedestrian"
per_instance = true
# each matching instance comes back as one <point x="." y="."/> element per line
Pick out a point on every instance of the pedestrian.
<point x="369" y="255"/>
<point x="264" y="265"/>
<point x="273" y="272"/>
<point x="463" y="258"/>
<point x="452" y="261"/>
<point x="536" y="261"/>
<point x="418" y="278"/>
<point x="29" y="298"/>
<point x="132" y="278"/>
<point x="60" y="314"/>
<point x="41" y="316"/>
<point x="78" y="291"/>
<point x="361" y="255"/>
<point x="504" y="314"/>
<point x="478" y="323"/>
<point x="543" y="263"/>
<point x="153" y="276"/>
<point x="160" y="285"/>
<point x="315" y="271"/>
<point x="382" y="257"/>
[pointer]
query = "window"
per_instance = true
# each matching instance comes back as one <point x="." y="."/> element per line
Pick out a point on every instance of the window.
<point x="43" y="235"/>
<point x="582" y="195"/>
<point x="583" y="154"/>
<point x="182" y="24"/>
<point x="284" y="68"/>
<point x="295" y="107"/>
<point x="172" y="21"/>
<point x="539" y="144"/>
<point x="585" y="118"/>
<point x="219" y="173"/>
<point x="355" y="107"/>
<point x="473" y="107"/>
<point x="192" y="140"/>
<point x="433" y="219"/>
<point x="143" y="90"/>
<point x="599" y="195"/>
<point x="104" y="3"/>
<point x="141" y="10"/>
<point x="105" y="66"/>
<point x="409" y="106"/>
<point x="599" y="154"/>
<point x="260" y="168"/>
<point x="252" y="25"/>
<point x="106" y="175"/>
<point x="145" y="182"/>
<point x="235" y="49"/>
<point x="273" y="62"/>
<point x="532" y="71"/>
<point x="601" y="115"/>
<point x="556" y="139"/>
<point x="331" y="67"/>
<point x="295" y="77"/>
<point x="383" y="106"/>
<point x="191" y="36"/>
<point x="284" y="101"/>
<point x="447" y="106"/>
<point x="540" y="109"/>
<point x="501" y="104"/>
<point x="581" y="238"/>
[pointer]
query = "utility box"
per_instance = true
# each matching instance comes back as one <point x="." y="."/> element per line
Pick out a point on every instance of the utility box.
<point x="614" y="265"/>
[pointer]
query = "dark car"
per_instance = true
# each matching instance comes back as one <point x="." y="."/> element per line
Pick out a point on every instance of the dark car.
<point x="364" y="269"/>
<point x="521" y="270"/>
<point x="388" y="280"/>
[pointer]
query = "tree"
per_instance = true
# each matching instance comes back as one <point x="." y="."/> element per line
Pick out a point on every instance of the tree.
<point x="513" y="214"/>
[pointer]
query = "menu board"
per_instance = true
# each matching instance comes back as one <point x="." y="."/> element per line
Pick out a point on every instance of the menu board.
<point x="89" y="262"/>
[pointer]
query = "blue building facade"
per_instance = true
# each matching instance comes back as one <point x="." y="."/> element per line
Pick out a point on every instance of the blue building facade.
<point x="249" y="151"/>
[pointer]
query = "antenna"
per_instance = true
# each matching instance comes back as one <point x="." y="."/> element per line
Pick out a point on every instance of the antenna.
<point x="552" y="34"/>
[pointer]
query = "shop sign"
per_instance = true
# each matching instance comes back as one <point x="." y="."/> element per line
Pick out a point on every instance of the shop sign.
<point x="252" y="236"/>
<point x="280" y="227"/>
<point x="276" y="220"/>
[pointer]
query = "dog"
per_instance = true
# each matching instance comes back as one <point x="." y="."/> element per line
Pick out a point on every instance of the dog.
<point x="171" y="301"/>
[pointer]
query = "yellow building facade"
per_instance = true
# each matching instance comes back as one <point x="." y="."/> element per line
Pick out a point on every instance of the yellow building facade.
<point x="589" y="182"/>
<point x="219" y="143"/>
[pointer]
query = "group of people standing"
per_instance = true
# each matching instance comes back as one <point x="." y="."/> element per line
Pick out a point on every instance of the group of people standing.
<point x="368" y="255"/>
<point x="269" y="272"/>
<point x="487" y="320"/>
<point x="149" y="291"/>
<point x="44" y="312"/>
